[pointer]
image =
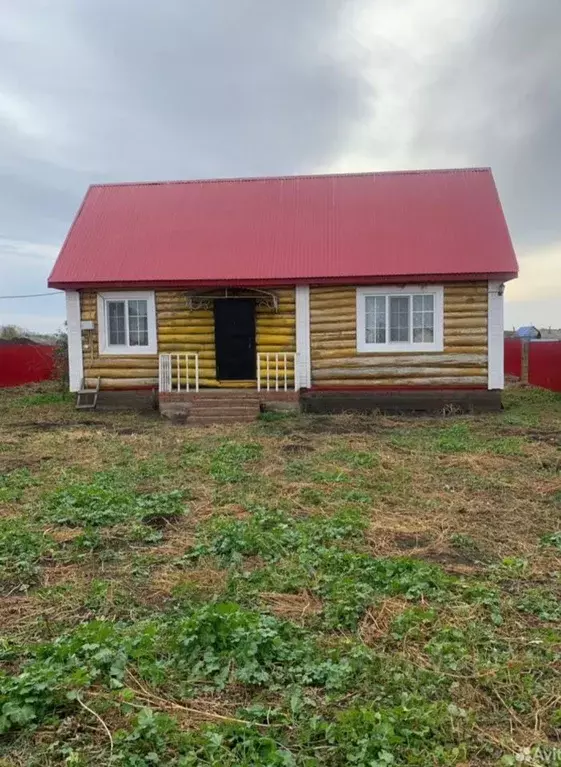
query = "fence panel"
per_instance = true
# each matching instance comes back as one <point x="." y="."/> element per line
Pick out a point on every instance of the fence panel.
<point x="21" y="364"/>
<point x="513" y="357"/>
<point x="544" y="364"/>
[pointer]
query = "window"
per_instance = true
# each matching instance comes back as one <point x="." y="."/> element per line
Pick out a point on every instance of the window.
<point x="400" y="319"/>
<point x="127" y="323"/>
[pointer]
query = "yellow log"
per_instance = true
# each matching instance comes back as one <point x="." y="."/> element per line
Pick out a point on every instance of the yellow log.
<point x="468" y="322"/>
<point x="468" y="301"/>
<point x="469" y="311"/>
<point x="184" y="319"/>
<point x="466" y="292"/>
<point x="331" y="327"/>
<point x="276" y="328"/>
<point x="334" y="315"/>
<point x="272" y="339"/>
<point x="200" y="334"/>
<point x="458" y="349"/>
<point x="395" y="362"/>
<point x="322" y="337"/>
<point x="273" y="349"/>
<point x="389" y="382"/>
<point x="175" y="319"/>
<point x="202" y="349"/>
<point x="121" y="374"/>
<point x="465" y="343"/>
<point x="392" y="371"/>
<point x="284" y="317"/>
<point x="123" y="383"/>
<point x="332" y="303"/>
<point x="333" y="291"/>
<point x="325" y="354"/>
<point x="119" y="364"/>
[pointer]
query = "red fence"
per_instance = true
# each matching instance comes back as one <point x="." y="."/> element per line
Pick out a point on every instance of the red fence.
<point x="544" y="362"/>
<point x="22" y="363"/>
<point x="513" y="357"/>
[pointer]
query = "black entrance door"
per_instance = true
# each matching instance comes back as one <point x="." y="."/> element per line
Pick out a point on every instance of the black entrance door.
<point x="234" y="337"/>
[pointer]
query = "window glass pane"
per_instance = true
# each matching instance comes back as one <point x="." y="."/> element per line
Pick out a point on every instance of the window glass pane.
<point x="138" y="322"/>
<point x="116" y="323"/>
<point x="399" y="319"/>
<point x="423" y="319"/>
<point x="375" y="319"/>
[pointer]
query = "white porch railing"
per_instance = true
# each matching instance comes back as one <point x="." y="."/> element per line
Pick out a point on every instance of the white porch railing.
<point x="179" y="371"/>
<point x="274" y="373"/>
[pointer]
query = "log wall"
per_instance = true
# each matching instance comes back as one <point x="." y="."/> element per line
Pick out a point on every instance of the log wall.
<point x="336" y="362"/>
<point x="181" y="330"/>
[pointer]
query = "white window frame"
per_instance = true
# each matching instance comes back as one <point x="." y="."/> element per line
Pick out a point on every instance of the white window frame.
<point x="103" y="325"/>
<point x="402" y="290"/>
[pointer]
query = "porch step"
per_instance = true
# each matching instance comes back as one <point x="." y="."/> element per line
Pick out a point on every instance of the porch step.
<point x="223" y="410"/>
<point x="219" y="406"/>
<point x="210" y="420"/>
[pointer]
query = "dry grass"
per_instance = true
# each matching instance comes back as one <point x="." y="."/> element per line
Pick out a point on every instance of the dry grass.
<point x="474" y="495"/>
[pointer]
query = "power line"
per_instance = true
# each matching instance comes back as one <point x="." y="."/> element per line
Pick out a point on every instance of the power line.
<point x="33" y="295"/>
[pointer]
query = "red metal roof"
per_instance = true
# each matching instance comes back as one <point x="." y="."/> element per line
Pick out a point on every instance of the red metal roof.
<point x="370" y="227"/>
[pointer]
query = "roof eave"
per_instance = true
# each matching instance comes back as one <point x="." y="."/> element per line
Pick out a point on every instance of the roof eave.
<point x="344" y="280"/>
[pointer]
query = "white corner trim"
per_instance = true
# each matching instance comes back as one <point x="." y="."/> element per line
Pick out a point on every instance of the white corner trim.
<point x="126" y="350"/>
<point x="304" y="361"/>
<point x="75" y="358"/>
<point x="495" y="336"/>
<point x="387" y="348"/>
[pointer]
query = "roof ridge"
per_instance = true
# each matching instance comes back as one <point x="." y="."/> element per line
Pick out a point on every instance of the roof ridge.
<point x="240" y="179"/>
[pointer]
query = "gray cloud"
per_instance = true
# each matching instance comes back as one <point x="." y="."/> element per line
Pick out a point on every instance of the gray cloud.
<point x="130" y="89"/>
<point x="497" y="99"/>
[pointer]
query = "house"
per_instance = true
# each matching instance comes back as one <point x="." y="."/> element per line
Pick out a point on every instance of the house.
<point x="344" y="292"/>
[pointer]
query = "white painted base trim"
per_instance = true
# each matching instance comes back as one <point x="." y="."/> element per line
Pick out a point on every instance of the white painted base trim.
<point x="303" y="359"/>
<point x="75" y="357"/>
<point x="495" y="335"/>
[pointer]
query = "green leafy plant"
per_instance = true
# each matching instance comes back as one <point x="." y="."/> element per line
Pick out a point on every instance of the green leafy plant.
<point x="542" y="603"/>
<point x="271" y="534"/>
<point x="419" y="734"/>
<point x="553" y="539"/>
<point x="13" y="484"/>
<point x="228" y="462"/>
<point x="97" y="505"/>
<point x="21" y="549"/>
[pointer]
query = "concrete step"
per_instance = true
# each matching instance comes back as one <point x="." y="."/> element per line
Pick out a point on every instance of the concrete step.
<point x="221" y="397"/>
<point x="224" y="410"/>
<point x="209" y="420"/>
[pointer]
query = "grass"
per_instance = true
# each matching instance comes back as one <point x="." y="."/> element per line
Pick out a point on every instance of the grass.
<point x="299" y="591"/>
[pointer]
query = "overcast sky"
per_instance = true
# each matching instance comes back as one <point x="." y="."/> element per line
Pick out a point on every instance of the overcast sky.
<point x="113" y="90"/>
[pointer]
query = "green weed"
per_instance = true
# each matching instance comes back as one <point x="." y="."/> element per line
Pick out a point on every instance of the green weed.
<point x="542" y="603"/>
<point x="553" y="539"/>
<point x="272" y="534"/>
<point x="356" y="459"/>
<point x="97" y="505"/>
<point x="420" y="734"/>
<point x="228" y="462"/>
<point x="13" y="484"/>
<point x="44" y="398"/>
<point x="21" y="549"/>
<point x="216" y="645"/>
<point x="156" y="738"/>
